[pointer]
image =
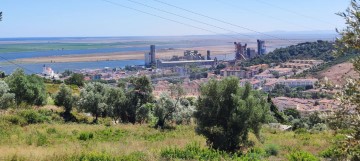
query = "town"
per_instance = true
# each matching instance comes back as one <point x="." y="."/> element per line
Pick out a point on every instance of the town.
<point x="194" y="69"/>
<point x="139" y="80"/>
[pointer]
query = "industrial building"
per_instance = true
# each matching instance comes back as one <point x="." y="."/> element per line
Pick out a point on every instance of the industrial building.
<point x="261" y="47"/>
<point x="244" y="53"/>
<point x="163" y="64"/>
<point x="240" y="51"/>
<point x="150" y="59"/>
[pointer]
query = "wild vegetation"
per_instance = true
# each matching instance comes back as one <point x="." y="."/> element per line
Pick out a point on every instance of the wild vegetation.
<point x="160" y="128"/>
<point x="226" y="122"/>
<point x="347" y="118"/>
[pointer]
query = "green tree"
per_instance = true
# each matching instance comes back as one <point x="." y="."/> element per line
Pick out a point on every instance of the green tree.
<point x="139" y="93"/>
<point x="225" y="116"/>
<point x="27" y="88"/>
<point x="6" y="99"/>
<point x="276" y="74"/>
<point x="65" y="99"/>
<point x="143" y="113"/>
<point x="315" y="118"/>
<point x="170" y="108"/>
<point x="93" y="99"/>
<point x="277" y="114"/>
<point x="67" y="73"/>
<point x="292" y="112"/>
<point x="76" y="79"/>
<point x="116" y="101"/>
<point x="164" y="108"/>
<point x="348" y="115"/>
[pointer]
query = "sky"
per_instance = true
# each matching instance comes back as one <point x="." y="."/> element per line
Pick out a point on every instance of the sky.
<point x="84" y="18"/>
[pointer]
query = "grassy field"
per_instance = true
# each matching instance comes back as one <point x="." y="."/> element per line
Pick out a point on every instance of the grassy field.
<point x="59" y="141"/>
<point x="24" y="47"/>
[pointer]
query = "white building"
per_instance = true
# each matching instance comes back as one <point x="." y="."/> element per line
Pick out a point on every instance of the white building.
<point x="270" y="83"/>
<point x="48" y="72"/>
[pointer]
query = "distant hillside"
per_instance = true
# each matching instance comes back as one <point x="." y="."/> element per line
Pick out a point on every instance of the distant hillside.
<point x="336" y="69"/>
<point x="338" y="73"/>
<point x="310" y="50"/>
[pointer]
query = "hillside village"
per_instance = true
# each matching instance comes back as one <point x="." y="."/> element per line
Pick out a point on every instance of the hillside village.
<point x="280" y="94"/>
<point x="263" y="77"/>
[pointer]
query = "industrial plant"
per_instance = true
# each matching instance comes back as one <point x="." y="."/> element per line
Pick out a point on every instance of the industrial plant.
<point x="242" y="52"/>
<point x="194" y="57"/>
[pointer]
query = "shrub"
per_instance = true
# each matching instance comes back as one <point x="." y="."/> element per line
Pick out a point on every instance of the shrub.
<point x="105" y="121"/>
<point x="319" y="127"/>
<point x="79" y="117"/>
<point x="51" y="130"/>
<point x="15" y="119"/>
<point x="110" y="134"/>
<point x="302" y="156"/>
<point x="193" y="151"/>
<point x="32" y="116"/>
<point x="86" y="136"/>
<point x="272" y="150"/>
<point x="41" y="139"/>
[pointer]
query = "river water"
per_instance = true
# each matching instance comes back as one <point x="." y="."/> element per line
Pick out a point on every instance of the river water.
<point x="60" y="67"/>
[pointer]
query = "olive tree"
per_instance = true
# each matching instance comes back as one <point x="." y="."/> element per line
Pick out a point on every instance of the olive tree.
<point x="116" y="101"/>
<point x="225" y="113"/>
<point x="139" y="93"/>
<point x="164" y="109"/>
<point x="348" y="116"/>
<point x="143" y="114"/>
<point x="65" y="99"/>
<point x="6" y="99"/>
<point x="93" y="99"/>
<point x="27" y="88"/>
<point x="76" y="79"/>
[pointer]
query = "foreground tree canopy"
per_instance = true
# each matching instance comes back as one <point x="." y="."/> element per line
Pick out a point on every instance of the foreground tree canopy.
<point x="226" y="113"/>
<point x="348" y="117"/>
<point x="6" y="98"/>
<point x="27" y="88"/>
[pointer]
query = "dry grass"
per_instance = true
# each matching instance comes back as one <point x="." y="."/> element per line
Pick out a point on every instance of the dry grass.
<point x="134" y="138"/>
<point x="338" y="73"/>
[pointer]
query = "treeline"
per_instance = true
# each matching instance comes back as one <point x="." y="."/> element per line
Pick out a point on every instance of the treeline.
<point x="224" y="109"/>
<point x="321" y="50"/>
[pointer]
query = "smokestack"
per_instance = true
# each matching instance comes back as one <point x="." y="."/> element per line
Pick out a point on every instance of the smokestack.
<point x="208" y="55"/>
<point x="152" y="54"/>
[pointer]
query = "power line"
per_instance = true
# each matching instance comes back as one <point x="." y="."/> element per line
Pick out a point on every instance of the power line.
<point x="296" y="13"/>
<point x="219" y="20"/>
<point x="263" y="14"/>
<point x="11" y="62"/>
<point x="168" y="19"/>
<point x="188" y="18"/>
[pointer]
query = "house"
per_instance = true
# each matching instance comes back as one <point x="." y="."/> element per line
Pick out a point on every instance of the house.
<point x="271" y="83"/>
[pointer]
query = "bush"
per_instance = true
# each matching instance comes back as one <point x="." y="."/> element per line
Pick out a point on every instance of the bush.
<point x="15" y="119"/>
<point x="106" y="121"/>
<point x="51" y="130"/>
<point x="302" y="156"/>
<point x="272" y="150"/>
<point x="41" y="139"/>
<point x="79" y="117"/>
<point x="86" y="136"/>
<point x="193" y="151"/>
<point x="33" y="116"/>
<point x="110" y="134"/>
